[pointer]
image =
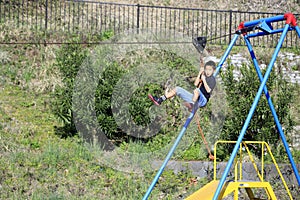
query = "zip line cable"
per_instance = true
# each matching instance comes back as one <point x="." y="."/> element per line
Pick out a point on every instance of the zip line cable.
<point x="109" y="43"/>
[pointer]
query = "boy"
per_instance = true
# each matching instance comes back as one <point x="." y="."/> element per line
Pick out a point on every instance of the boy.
<point x="205" y="82"/>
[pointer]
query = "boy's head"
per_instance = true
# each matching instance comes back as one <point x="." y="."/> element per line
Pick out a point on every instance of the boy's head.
<point x="209" y="68"/>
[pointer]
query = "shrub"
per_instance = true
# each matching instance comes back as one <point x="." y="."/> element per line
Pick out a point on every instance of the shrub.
<point x="68" y="60"/>
<point x="240" y="95"/>
<point x="70" y="57"/>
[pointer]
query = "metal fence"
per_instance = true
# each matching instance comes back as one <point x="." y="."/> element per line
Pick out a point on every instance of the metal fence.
<point x="52" y="17"/>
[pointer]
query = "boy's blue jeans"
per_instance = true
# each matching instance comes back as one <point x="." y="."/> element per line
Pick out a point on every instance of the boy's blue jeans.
<point x="188" y="97"/>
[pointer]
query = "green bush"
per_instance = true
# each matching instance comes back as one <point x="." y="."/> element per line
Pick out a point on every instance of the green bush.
<point x="70" y="57"/>
<point x="240" y="95"/>
<point x="68" y="60"/>
<point x="98" y="98"/>
<point x="103" y="95"/>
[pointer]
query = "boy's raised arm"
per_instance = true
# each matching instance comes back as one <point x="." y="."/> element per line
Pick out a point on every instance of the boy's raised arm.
<point x="201" y="70"/>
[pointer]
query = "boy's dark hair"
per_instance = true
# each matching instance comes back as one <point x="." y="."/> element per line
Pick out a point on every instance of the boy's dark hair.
<point x="210" y="63"/>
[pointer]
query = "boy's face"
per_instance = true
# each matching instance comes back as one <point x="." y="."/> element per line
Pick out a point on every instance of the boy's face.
<point x="209" y="70"/>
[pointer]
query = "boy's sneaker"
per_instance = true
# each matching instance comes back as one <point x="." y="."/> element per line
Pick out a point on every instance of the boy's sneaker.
<point x="155" y="99"/>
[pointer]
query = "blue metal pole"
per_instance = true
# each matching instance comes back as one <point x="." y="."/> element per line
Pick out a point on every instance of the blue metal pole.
<point x="298" y="30"/>
<point x="236" y="36"/>
<point x="251" y="112"/>
<point x="257" y="34"/>
<point x="279" y="127"/>
<point x="267" y="20"/>
<point x="186" y="124"/>
<point x="189" y="119"/>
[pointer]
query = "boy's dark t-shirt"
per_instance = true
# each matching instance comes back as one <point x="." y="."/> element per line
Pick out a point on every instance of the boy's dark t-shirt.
<point x="211" y="82"/>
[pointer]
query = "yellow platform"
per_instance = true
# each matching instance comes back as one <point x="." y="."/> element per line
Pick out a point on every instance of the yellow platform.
<point x="208" y="191"/>
<point x="233" y="186"/>
<point x="205" y="193"/>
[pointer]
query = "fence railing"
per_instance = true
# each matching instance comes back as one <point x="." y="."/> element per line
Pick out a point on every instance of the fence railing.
<point x="51" y="17"/>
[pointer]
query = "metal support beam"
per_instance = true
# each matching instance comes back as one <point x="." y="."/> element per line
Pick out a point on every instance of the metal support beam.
<point x="225" y="55"/>
<point x="272" y="108"/>
<point x="250" y="114"/>
<point x="160" y="171"/>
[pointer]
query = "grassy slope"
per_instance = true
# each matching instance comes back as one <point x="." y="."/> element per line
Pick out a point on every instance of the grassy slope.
<point x="37" y="164"/>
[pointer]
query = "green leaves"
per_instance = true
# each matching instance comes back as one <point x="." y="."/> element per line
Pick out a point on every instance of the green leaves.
<point x="240" y="95"/>
<point x="68" y="60"/>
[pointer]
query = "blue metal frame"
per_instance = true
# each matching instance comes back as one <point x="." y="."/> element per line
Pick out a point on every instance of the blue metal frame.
<point x="272" y="32"/>
<point x="226" y="54"/>
<point x="267" y="20"/>
<point x="262" y="88"/>
<point x="160" y="171"/>
<point x="279" y="127"/>
<point x="265" y="25"/>
<point x="182" y="132"/>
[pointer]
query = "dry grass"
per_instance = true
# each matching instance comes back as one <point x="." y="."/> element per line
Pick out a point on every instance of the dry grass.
<point x="28" y="65"/>
<point x="240" y="5"/>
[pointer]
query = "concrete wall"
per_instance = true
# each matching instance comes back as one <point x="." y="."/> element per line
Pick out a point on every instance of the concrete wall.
<point x="203" y="169"/>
